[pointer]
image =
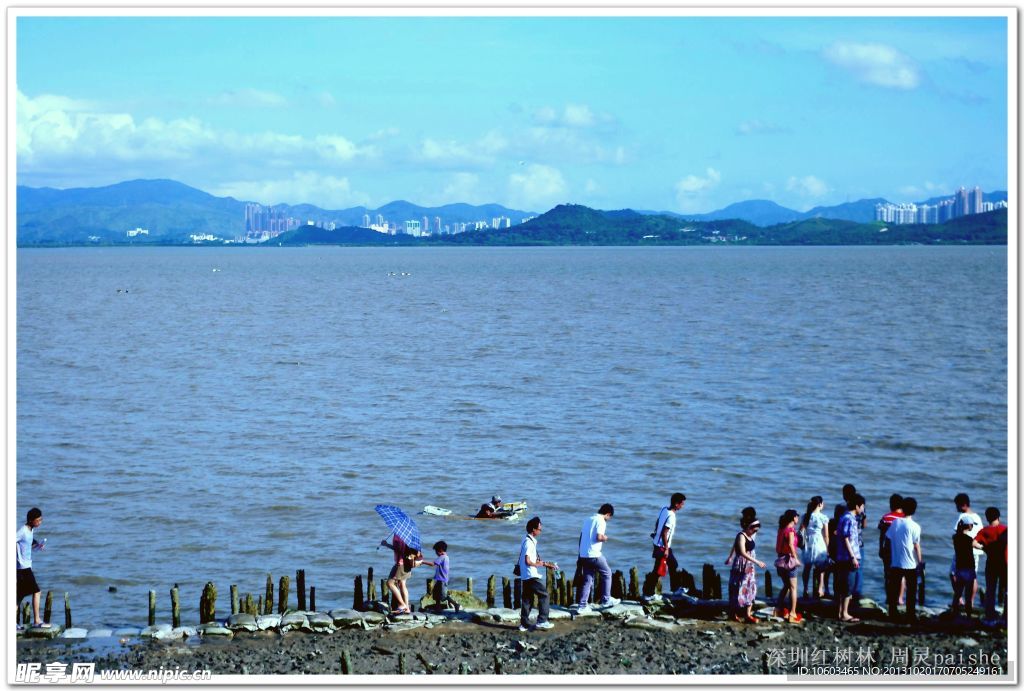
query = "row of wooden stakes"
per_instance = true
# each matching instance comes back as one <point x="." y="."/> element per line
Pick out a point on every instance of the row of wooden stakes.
<point x="561" y="589"/>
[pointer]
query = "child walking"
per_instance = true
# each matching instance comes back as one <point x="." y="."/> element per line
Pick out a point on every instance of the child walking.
<point x="441" y="569"/>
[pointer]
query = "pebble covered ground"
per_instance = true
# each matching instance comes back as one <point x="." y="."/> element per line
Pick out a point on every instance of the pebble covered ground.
<point x="592" y="645"/>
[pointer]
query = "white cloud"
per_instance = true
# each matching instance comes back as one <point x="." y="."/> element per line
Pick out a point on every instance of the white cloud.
<point x="450" y="153"/>
<point x="248" y="98"/>
<point x="539" y="186"/>
<point x="572" y="115"/>
<point x="578" y="116"/>
<point x="691" y="191"/>
<point x="303" y="187"/>
<point x="875" y="63"/>
<point x="807" y="186"/>
<point x="461" y="187"/>
<point x="54" y="132"/>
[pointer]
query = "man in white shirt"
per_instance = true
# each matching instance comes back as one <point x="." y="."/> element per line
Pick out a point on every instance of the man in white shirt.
<point x="24" y="543"/>
<point x="963" y="506"/>
<point x="904" y="536"/>
<point x="530" y="565"/>
<point x="664" y="560"/>
<point x="592" y="561"/>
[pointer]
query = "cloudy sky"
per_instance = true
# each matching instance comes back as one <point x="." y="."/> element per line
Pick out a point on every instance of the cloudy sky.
<point x="668" y="113"/>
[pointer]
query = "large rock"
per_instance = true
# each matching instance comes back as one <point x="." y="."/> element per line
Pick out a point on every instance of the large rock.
<point x="242" y="622"/>
<point x="623" y="610"/>
<point x="346" y="618"/>
<point x="466" y="600"/>
<point x="43" y="632"/>
<point x="184" y="632"/>
<point x="215" y="630"/>
<point x="558" y="613"/>
<point x="374" y="618"/>
<point x="268" y="621"/>
<point x="100" y="633"/>
<point x="130" y="632"/>
<point x="293" y="620"/>
<point x="158" y="632"/>
<point x="75" y="633"/>
<point x="501" y="615"/>
<point x="399" y="626"/>
<point x="318" y="622"/>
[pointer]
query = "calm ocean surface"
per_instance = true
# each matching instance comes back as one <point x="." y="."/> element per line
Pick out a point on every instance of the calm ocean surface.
<point x="186" y="415"/>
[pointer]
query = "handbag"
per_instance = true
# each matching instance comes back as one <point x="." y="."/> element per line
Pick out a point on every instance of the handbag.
<point x="517" y="571"/>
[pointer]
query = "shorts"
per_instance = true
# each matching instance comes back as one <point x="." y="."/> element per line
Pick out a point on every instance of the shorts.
<point x="966" y="574"/>
<point x="398" y="573"/>
<point x="440" y="591"/>
<point x="26" y="583"/>
<point x="846" y="578"/>
<point x="786" y="574"/>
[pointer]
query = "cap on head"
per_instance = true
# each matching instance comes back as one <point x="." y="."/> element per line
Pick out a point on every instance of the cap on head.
<point x="495" y="499"/>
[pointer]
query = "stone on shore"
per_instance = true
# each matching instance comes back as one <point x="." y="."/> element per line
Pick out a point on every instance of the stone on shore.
<point x="649" y="624"/>
<point x="242" y="622"/>
<point x="40" y="632"/>
<point x="183" y="632"/>
<point x="75" y="633"/>
<point x="501" y="615"/>
<point x="127" y="632"/>
<point x="318" y="622"/>
<point x="268" y="621"/>
<point x="405" y="625"/>
<point x="346" y="618"/>
<point x="292" y="620"/>
<point x="623" y="610"/>
<point x="214" y="629"/>
<point x="100" y="633"/>
<point x="157" y="631"/>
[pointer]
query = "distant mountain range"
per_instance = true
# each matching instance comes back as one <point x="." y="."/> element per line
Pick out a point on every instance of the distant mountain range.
<point x="762" y="212"/>
<point x="172" y="211"/>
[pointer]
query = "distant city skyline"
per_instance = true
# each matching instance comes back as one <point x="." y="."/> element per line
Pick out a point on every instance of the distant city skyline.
<point x="684" y="114"/>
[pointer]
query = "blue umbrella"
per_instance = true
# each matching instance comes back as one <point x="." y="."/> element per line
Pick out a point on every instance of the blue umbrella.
<point x="403" y="527"/>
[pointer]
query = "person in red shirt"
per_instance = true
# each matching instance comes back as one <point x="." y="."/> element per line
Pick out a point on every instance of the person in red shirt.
<point x="993" y="539"/>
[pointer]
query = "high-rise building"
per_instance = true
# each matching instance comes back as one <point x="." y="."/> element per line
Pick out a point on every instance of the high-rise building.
<point x="437" y="224"/>
<point x="975" y="200"/>
<point x="380" y="219"/>
<point x="962" y="205"/>
<point x="366" y="220"/>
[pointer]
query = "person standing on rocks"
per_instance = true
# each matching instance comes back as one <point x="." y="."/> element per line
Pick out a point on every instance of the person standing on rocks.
<point x="743" y="576"/>
<point x="963" y="506"/>
<point x="664" y="560"/>
<point x="441" y="577"/>
<point x="787" y="565"/>
<point x="848" y="556"/>
<point x="885" y="547"/>
<point x="904" y="538"/>
<point x="993" y="540"/>
<point x="24" y="543"/>
<point x="592" y="538"/>
<point x="528" y="568"/>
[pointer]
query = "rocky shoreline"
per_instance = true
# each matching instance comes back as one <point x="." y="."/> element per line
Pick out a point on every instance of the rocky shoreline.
<point x="632" y="638"/>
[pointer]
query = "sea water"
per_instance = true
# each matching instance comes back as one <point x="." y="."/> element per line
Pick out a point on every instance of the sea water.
<point x="187" y="415"/>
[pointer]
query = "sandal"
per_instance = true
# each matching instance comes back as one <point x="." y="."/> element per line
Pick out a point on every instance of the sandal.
<point x="752" y="620"/>
<point x="851" y="620"/>
<point x="794" y="619"/>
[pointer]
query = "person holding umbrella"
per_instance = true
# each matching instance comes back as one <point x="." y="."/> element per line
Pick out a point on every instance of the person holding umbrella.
<point x="406" y="546"/>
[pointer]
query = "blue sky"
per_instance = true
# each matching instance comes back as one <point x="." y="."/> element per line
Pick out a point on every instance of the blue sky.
<point x="670" y="113"/>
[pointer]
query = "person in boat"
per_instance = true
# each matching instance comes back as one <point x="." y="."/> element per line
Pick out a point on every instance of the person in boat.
<point x="491" y="509"/>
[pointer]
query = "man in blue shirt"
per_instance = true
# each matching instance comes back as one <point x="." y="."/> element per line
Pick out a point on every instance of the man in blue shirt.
<point x="848" y="556"/>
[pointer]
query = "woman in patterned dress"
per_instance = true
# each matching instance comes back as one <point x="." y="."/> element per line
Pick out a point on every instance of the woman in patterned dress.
<point x="743" y="576"/>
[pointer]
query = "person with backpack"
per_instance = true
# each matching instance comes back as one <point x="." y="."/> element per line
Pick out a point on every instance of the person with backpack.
<point x="665" y="563"/>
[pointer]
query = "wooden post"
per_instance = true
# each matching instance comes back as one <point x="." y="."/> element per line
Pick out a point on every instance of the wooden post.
<point x="312" y="599"/>
<point x="634" y="582"/>
<point x="469" y="585"/>
<point x="657" y="587"/>
<point x="463" y="668"/>
<point x="563" y="594"/>
<point x="282" y="594"/>
<point x="300" y="588"/>
<point x="920" y="589"/>
<point x="346" y="662"/>
<point x="175" y="608"/>
<point x="259" y="605"/>
<point x="517" y="593"/>
<point x="385" y="593"/>
<point x="371" y="587"/>
<point x="152" y="608"/>
<point x="768" y="590"/>
<point x="357" y="596"/>
<point x="268" y="598"/>
<point x="497" y="665"/>
<point x="718" y="586"/>
<point x="48" y="608"/>
<point x="234" y="598"/>
<point x="430" y="588"/>
<point x="506" y="592"/>
<point x="619" y="585"/>
<point x="401" y="663"/>
<point x="208" y="603"/>
<point x="67" y="611"/>
<point x="707" y="584"/>
<point x="491" y="586"/>
<point x="250" y="605"/>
